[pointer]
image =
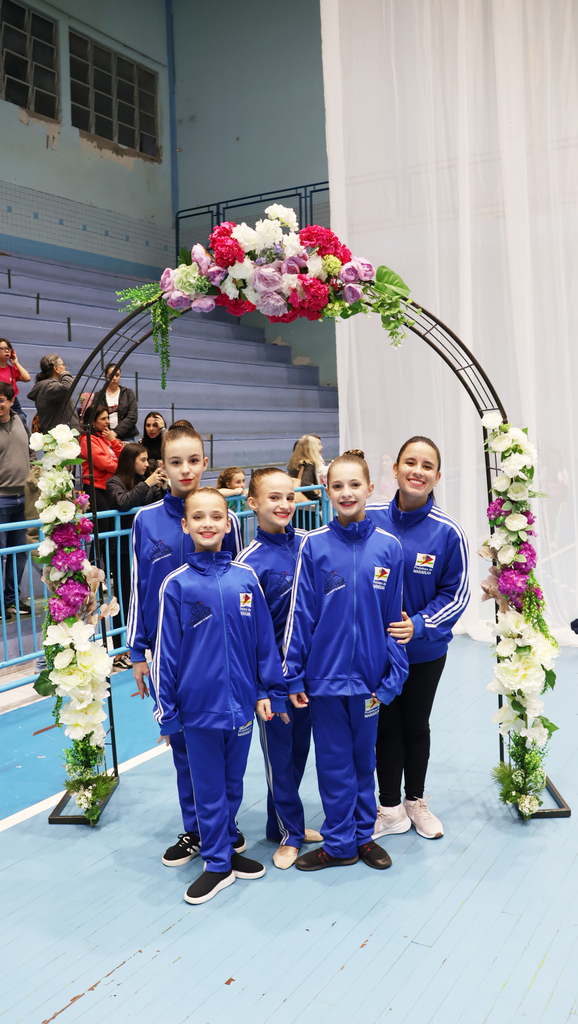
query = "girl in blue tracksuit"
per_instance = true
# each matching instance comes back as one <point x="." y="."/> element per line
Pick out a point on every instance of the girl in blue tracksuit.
<point x="347" y="589"/>
<point x="158" y="545"/>
<point x="436" y="592"/>
<point x="215" y="662"/>
<point x="285" y="741"/>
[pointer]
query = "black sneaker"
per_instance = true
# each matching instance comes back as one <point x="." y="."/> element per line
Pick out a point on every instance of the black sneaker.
<point x="244" y="867"/>
<point x="240" y="844"/>
<point x="208" y="885"/>
<point x="187" y="847"/>
<point x="317" y="859"/>
<point x="374" y="855"/>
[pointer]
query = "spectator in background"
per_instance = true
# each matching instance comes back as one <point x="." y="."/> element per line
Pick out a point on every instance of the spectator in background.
<point x="306" y="464"/>
<point x="10" y="372"/>
<point x="14" y="468"/>
<point x="122" y="407"/>
<point x="128" y="489"/>
<point x="49" y="391"/>
<point x="231" y="484"/>
<point x="152" y="438"/>
<point x="106" y="449"/>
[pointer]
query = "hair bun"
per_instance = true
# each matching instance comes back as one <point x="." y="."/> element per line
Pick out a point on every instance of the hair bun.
<point x="355" y="451"/>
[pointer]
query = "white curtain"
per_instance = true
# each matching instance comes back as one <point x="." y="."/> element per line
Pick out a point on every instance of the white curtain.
<point x="452" y="135"/>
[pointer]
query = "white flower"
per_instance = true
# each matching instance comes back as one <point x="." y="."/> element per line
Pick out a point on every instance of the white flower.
<point x="506" y="718"/>
<point x="82" y="721"/>
<point x="528" y="804"/>
<point x="229" y="287"/>
<point x="533" y="706"/>
<point x="46" y="547"/>
<point x="514" y="464"/>
<point x="242" y="271"/>
<point x="509" y="623"/>
<point x="288" y="283"/>
<point x="505" y="648"/>
<point x="492" y="420"/>
<point x="63" y="658"/>
<point x="62" y="433"/>
<point x="80" y="634"/>
<point x="285" y="214"/>
<point x="315" y="267"/>
<point x="501" y="483"/>
<point x="84" y="799"/>
<point x="497" y="686"/>
<point x="251" y="294"/>
<point x="543" y="650"/>
<point x="523" y="672"/>
<point x="292" y="245"/>
<point x="37" y="442"/>
<point x="95" y="660"/>
<point x="517" y="492"/>
<point x="499" y="538"/>
<point x="48" y="514"/>
<point x="67" y="450"/>
<point x="56" y="574"/>
<point x="501" y="442"/>
<point x="245" y="236"/>
<point x="98" y="737"/>
<point x="516" y="522"/>
<point x="507" y="554"/>
<point x="65" y="511"/>
<point x="268" y="233"/>
<point x="536" y="733"/>
<point x="518" y="435"/>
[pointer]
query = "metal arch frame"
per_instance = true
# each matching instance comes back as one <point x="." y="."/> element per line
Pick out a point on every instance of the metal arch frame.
<point x="125" y="338"/>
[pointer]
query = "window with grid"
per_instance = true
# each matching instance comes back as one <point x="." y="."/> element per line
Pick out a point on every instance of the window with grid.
<point x="112" y="97"/>
<point x="28" y="72"/>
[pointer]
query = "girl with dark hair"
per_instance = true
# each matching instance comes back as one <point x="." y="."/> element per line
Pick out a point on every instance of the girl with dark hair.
<point x="153" y="432"/>
<point x="12" y="371"/>
<point x="122" y="406"/>
<point x="106" y="449"/>
<point x="435" y="594"/>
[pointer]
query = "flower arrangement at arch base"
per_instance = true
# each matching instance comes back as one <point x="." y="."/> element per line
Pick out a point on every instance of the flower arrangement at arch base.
<point x="284" y="274"/>
<point x="77" y="665"/>
<point x="526" y="649"/>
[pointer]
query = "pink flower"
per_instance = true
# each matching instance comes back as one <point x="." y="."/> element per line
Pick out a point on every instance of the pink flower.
<point x="364" y="268"/>
<point x="82" y="501"/>
<point x="221" y="231"/>
<point x="272" y="304"/>
<point x="531" y="519"/>
<point x="73" y="593"/>
<point x="531" y="558"/>
<point x="203" y="304"/>
<point x="227" y="252"/>
<point x="178" y="300"/>
<point x="66" y="535"/>
<point x="352" y="293"/>
<point x="293" y="265"/>
<point x="495" y="509"/>
<point x="216" y="274"/>
<point x="201" y="257"/>
<point x="69" y="561"/>
<point x="60" y="610"/>
<point x="267" y="279"/>
<point x="167" y="280"/>
<point x="84" y="527"/>
<point x="349" y="273"/>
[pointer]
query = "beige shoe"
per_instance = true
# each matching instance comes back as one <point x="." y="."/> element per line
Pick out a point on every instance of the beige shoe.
<point x="311" y="836"/>
<point x="425" y="823"/>
<point x="285" y="857"/>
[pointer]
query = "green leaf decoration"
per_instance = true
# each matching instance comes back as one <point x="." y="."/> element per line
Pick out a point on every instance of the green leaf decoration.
<point x="548" y="725"/>
<point x="392" y="281"/>
<point x="550" y="681"/>
<point x="43" y="685"/>
<point x="185" y="256"/>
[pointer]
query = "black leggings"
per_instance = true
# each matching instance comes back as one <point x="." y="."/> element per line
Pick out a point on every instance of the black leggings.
<point x="403" y="735"/>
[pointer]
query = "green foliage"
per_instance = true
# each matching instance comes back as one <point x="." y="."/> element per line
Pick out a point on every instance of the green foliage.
<point x="550" y="680"/>
<point x="82" y="758"/>
<point x="523" y="778"/>
<point x="133" y="298"/>
<point x="100" y="787"/>
<point x="185" y="256"/>
<point x="161" y="316"/>
<point x="387" y="281"/>
<point x="43" y="685"/>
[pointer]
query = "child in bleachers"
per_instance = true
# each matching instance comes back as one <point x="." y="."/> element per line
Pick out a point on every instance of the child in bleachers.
<point x="231" y="484"/>
<point x="215" y="662"/>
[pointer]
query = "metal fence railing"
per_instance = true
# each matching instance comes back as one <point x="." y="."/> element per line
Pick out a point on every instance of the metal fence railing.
<point x="21" y="634"/>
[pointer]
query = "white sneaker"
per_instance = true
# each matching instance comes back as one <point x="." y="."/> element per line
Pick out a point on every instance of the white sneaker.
<point x="391" y="821"/>
<point x="425" y="823"/>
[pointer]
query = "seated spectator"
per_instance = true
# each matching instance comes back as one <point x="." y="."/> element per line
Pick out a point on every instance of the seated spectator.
<point x="12" y="371"/>
<point x="128" y="489"/>
<point x="122" y="407"/>
<point x="152" y="438"/>
<point x="14" y="468"/>
<point x="231" y="484"/>
<point x="305" y="463"/>
<point x="49" y="392"/>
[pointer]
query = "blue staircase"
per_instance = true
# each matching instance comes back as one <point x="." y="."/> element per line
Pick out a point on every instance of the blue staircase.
<point x="223" y="377"/>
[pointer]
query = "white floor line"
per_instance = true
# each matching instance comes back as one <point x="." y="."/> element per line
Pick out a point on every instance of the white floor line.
<point x="51" y="801"/>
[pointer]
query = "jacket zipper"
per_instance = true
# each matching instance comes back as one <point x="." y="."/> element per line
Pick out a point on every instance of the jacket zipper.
<point x="354" y="609"/>
<point x="226" y="641"/>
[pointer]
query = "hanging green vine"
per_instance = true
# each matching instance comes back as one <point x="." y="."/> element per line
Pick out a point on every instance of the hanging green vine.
<point x="161" y="316"/>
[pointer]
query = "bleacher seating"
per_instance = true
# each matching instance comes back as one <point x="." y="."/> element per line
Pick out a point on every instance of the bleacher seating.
<point x="223" y="377"/>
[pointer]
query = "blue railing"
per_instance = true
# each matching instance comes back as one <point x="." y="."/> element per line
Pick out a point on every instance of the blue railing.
<point x="310" y="202"/>
<point x="21" y="636"/>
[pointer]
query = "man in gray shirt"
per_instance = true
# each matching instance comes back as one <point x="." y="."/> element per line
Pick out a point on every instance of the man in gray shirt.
<point x="14" y="468"/>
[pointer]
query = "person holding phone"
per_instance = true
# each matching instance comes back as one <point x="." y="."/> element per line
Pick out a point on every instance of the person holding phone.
<point x="12" y="371"/>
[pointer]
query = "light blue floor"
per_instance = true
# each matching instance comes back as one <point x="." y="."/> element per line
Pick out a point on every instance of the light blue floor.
<point x="479" y="926"/>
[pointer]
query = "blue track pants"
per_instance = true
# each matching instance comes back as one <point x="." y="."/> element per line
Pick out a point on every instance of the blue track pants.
<point x="181" y="762"/>
<point x="217" y="760"/>
<point x="285" y="749"/>
<point x="345" y="731"/>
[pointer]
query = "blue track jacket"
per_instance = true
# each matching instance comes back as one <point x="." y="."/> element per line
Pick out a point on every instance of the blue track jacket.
<point x="435" y="579"/>
<point x="273" y="556"/>
<point x="159" y="546"/>
<point x="215" y="655"/>
<point x="347" y="589"/>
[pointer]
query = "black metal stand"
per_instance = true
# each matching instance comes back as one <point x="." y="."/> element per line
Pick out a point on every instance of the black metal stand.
<point x="562" y="810"/>
<point x="58" y="818"/>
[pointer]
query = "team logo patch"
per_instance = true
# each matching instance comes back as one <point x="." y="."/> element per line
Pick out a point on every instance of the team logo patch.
<point x="160" y="550"/>
<point x="284" y="584"/>
<point x="380" y="576"/>
<point x="333" y="581"/>
<point x="199" y="613"/>
<point x="246" y="601"/>
<point x="371" y="707"/>
<point x="424" y="564"/>
<point x="245" y="729"/>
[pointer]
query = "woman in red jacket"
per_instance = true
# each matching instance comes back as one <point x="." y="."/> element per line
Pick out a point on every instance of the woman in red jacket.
<point x="106" y="449"/>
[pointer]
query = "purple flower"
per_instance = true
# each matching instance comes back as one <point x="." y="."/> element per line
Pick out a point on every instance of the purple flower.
<point x="352" y="293"/>
<point x="68" y="561"/>
<point x="203" y="304"/>
<point x="364" y="268"/>
<point x="82" y="501"/>
<point x="531" y="519"/>
<point x="348" y="273"/>
<point x="278" y="249"/>
<point x="167" y="280"/>
<point x="84" y="526"/>
<point x="66" y="535"/>
<point x="178" y="300"/>
<point x="513" y="584"/>
<point x="201" y="257"/>
<point x="261" y="261"/>
<point x="60" y="610"/>
<point x="267" y="279"/>
<point x="216" y="274"/>
<point x="531" y="559"/>
<point x="495" y="509"/>
<point x="293" y="265"/>
<point x="272" y="304"/>
<point x="73" y="593"/>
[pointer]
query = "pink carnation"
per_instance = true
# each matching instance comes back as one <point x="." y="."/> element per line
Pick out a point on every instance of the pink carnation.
<point x="221" y="231"/>
<point x="227" y="252"/>
<point x="531" y="559"/>
<point x="69" y="561"/>
<point x="73" y="593"/>
<point x="60" y="610"/>
<point x="66" y="535"/>
<point x="495" y="509"/>
<point x="236" y="307"/>
<point x="324" y="241"/>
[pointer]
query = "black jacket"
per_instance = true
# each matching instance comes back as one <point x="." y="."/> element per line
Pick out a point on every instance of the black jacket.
<point x="48" y="396"/>
<point x="122" y="500"/>
<point x="127" y="415"/>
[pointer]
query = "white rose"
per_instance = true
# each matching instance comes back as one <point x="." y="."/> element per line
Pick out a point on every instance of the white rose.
<point x="242" y="271"/>
<point x="269" y="233"/>
<point x="37" y="442"/>
<point x="499" y="538"/>
<point x="56" y="574"/>
<point x="46" y="547"/>
<point x="516" y="522"/>
<point x="507" y="554"/>
<point x="492" y="420"/>
<point x="315" y="267"/>
<point x="65" y="511"/>
<point x="289" y="283"/>
<point x="285" y="214"/>
<point x="514" y="464"/>
<point x="501" y="483"/>
<point x="251" y="295"/>
<point x="506" y="647"/>
<point x="517" y="492"/>
<point x="67" y="450"/>
<point x="61" y="433"/>
<point x="63" y="658"/>
<point x="292" y="245"/>
<point x="500" y="442"/>
<point x="47" y="515"/>
<point x="518" y="435"/>
<point x="245" y="236"/>
<point x="228" y="287"/>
